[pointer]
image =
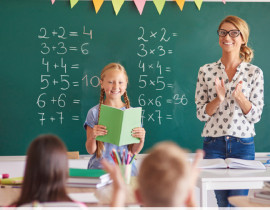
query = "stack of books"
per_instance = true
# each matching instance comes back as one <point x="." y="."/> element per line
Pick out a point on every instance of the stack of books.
<point x="94" y="178"/>
<point x="262" y="196"/>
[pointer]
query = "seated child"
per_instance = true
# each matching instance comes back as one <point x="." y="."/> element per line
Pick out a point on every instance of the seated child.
<point x="46" y="174"/>
<point x="165" y="179"/>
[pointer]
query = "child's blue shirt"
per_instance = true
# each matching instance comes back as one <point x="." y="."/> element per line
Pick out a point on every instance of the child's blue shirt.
<point x="94" y="162"/>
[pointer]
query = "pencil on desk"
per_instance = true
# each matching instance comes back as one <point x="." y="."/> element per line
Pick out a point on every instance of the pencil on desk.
<point x="116" y="155"/>
<point x="10" y="186"/>
<point x="128" y="158"/>
<point x="119" y="154"/>
<point x="124" y="156"/>
<point x="113" y="157"/>
<point x="132" y="159"/>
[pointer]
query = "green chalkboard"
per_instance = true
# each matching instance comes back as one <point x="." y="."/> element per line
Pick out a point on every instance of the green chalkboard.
<point x="51" y="57"/>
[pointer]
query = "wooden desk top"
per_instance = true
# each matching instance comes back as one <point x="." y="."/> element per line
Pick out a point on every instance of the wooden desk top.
<point x="243" y="201"/>
<point x="103" y="194"/>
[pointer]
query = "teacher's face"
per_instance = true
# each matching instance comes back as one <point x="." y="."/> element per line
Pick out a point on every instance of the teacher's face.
<point x="230" y="44"/>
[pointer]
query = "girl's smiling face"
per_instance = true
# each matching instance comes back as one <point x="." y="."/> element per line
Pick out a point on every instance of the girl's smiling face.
<point x="114" y="84"/>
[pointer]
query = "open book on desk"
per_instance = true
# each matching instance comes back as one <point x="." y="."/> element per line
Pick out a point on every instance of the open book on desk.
<point x="119" y="124"/>
<point x="233" y="163"/>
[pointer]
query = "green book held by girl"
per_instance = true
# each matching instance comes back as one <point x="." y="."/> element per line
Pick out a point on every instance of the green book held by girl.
<point x="119" y="124"/>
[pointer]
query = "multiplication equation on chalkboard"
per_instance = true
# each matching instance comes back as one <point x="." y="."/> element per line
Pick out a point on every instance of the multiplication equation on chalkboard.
<point x="155" y="78"/>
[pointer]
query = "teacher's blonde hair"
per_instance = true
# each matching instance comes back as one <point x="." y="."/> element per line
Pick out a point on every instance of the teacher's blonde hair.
<point x="246" y="53"/>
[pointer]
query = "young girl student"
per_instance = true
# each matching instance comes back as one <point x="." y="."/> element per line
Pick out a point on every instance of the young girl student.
<point x="113" y="82"/>
<point x="45" y="176"/>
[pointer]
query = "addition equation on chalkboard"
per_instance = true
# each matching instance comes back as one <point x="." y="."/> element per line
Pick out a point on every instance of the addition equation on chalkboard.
<point x="155" y="76"/>
<point x="56" y="74"/>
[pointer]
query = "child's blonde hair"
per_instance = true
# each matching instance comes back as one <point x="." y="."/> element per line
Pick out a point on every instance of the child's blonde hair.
<point x="163" y="176"/>
<point x="116" y="67"/>
<point x="246" y="53"/>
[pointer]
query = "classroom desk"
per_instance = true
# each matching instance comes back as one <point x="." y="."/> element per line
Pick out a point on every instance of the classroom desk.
<point x="229" y="179"/>
<point x="243" y="201"/>
<point x="103" y="194"/>
<point x="14" y="165"/>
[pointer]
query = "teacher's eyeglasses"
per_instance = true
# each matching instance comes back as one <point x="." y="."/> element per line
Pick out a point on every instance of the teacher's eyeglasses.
<point x="232" y="33"/>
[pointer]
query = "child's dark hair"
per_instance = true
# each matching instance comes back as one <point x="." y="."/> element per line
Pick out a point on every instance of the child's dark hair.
<point x="46" y="171"/>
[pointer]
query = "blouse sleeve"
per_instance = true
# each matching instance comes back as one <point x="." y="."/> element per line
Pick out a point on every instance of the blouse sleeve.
<point x="91" y="119"/>
<point x="201" y="96"/>
<point x="256" y="98"/>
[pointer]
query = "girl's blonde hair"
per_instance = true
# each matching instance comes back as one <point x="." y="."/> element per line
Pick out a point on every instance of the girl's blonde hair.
<point x="120" y="68"/>
<point x="164" y="175"/>
<point x="246" y="53"/>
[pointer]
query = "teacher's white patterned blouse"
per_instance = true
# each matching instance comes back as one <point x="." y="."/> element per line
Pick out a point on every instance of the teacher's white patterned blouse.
<point x="229" y="118"/>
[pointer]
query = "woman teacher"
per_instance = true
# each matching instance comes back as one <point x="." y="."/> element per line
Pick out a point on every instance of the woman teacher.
<point x="230" y="98"/>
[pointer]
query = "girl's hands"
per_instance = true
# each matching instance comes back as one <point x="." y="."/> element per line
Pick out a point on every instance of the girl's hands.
<point x="139" y="133"/>
<point x="99" y="130"/>
<point x="220" y="88"/>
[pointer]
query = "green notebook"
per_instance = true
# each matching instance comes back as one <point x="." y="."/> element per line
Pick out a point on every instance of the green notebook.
<point x="119" y="124"/>
<point x="93" y="173"/>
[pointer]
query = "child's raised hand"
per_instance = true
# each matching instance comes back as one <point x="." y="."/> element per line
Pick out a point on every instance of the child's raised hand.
<point x="119" y="194"/>
<point x="194" y="173"/>
<point x="99" y="130"/>
<point x="139" y="133"/>
<point x="195" y="170"/>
